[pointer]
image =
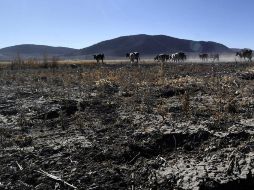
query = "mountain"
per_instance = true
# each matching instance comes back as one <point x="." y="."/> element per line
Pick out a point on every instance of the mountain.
<point x="30" y="50"/>
<point x="151" y="45"/>
<point x="147" y="45"/>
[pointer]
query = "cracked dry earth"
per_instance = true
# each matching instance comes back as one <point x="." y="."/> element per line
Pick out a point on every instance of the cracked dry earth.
<point x="182" y="126"/>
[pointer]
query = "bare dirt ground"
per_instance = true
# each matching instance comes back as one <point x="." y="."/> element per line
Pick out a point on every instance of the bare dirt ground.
<point x="121" y="126"/>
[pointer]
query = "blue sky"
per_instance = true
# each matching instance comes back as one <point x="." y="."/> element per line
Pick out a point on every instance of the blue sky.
<point x="80" y="23"/>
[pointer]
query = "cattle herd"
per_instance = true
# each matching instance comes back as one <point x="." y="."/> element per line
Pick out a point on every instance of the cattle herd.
<point x="245" y="54"/>
<point x="175" y="57"/>
<point x="134" y="57"/>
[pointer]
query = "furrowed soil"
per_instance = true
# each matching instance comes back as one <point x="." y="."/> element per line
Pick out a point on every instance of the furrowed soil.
<point x="177" y="126"/>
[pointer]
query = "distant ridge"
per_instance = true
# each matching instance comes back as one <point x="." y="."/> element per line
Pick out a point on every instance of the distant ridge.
<point x="31" y="50"/>
<point x="153" y="44"/>
<point x="147" y="45"/>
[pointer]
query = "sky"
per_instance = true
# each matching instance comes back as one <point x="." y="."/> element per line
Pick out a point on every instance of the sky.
<point x="81" y="23"/>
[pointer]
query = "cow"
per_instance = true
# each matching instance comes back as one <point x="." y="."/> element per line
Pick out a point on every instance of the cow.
<point x="246" y="54"/>
<point x="74" y="66"/>
<point x="176" y="57"/>
<point x="215" y="57"/>
<point x="99" y="57"/>
<point x="162" y="57"/>
<point x="133" y="56"/>
<point x="204" y="56"/>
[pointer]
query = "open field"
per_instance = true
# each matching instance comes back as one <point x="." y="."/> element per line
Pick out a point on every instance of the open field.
<point x="121" y="126"/>
<point x="122" y="60"/>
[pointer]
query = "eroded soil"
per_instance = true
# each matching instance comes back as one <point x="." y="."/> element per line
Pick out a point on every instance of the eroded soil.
<point x="181" y="126"/>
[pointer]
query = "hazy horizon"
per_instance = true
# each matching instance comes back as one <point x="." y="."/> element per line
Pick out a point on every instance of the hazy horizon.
<point x="81" y="23"/>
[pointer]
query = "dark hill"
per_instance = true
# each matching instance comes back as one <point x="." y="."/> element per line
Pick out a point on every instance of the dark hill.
<point x="30" y="50"/>
<point x="147" y="45"/>
<point x="150" y="45"/>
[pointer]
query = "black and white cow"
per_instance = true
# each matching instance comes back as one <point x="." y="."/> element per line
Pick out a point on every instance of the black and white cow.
<point x="162" y="57"/>
<point x="176" y="57"/>
<point x="204" y="56"/>
<point x="133" y="56"/>
<point x="246" y="54"/>
<point x="99" y="57"/>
